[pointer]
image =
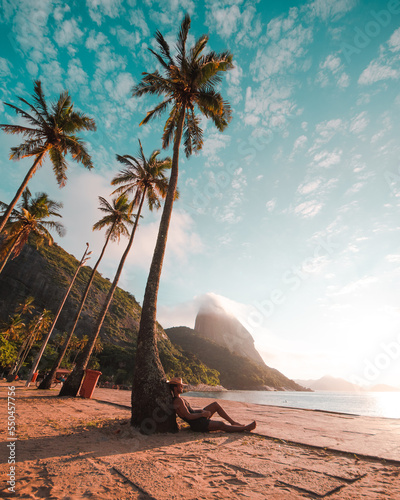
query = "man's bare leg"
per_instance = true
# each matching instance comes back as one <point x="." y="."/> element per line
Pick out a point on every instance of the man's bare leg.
<point x="217" y="408"/>
<point x="214" y="425"/>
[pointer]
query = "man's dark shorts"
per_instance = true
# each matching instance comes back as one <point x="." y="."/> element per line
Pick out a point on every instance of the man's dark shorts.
<point x="200" y="424"/>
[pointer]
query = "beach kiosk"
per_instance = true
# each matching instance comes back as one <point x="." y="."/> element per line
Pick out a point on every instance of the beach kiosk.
<point x="89" y="383"/>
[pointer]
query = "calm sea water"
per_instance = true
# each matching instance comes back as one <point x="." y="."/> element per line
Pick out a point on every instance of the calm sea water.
<point x="371" y="404"/>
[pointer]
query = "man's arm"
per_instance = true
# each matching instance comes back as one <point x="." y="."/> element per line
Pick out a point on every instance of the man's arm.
<point x="184" y="413"/>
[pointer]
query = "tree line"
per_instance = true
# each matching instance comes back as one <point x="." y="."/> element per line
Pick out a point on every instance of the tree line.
<point x="187" y="83"/>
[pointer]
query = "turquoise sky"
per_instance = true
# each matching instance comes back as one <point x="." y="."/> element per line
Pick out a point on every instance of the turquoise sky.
<point x="290" y="218"/>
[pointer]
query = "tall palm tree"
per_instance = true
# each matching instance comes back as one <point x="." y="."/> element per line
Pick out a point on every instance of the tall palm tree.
<point x="49" y="132"/>
<point x="36" y="361"/>
<point x="188" y="84"/>
<point x="118" y="215"/>
<point x="146" y="179"/>
<point x="32" y="218"/>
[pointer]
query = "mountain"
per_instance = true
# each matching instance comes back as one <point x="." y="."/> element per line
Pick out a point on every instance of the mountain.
<point x="328" y="383"/>
<point x="213" y="323"/>
<point x="236" y="372"/>
<point x="46" y="273"/>
<point x="382" y="388"/>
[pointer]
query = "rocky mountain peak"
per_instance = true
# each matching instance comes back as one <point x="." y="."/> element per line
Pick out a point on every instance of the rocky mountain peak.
<point x="214" y="323"/>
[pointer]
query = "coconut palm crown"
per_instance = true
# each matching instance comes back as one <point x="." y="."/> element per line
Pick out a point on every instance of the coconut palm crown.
<point x="33" y="217"/>
<point x="189" y="82"/>
<point x="143" y="175"/>
<point x="50" y="131"/>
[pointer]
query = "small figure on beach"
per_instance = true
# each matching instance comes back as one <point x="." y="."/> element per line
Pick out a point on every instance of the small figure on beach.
<point x="200" y="420"/>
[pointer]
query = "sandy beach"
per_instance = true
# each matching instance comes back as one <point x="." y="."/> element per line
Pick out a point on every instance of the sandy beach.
<point x="73" y="448"/>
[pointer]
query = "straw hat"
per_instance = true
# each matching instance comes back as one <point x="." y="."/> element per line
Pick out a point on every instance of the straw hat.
<point x="175" y="380"/>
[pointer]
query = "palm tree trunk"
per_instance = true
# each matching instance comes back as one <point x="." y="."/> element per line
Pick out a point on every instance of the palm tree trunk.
<point x="21" y="189"/>
<point x="40" y="353"/>
<point x="73" y="383"/>
<point x="47" y="381"/>
<point x="13" y="370"/>
<point x="8" y="255"/>
<point x="151" y="399"/>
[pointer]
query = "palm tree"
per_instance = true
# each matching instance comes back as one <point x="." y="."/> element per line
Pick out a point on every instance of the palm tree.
<point x="35" y="364"/>
<point x="117" y="216"/>
<point x="146" y="179"/>
<point x="50" y="132"/>
<point x="12" y="329"/>
<point x="188" y="84"/>
<point x="32" y="218"/>
<point x="26" y="307"/>
<point x="37" y="326"/>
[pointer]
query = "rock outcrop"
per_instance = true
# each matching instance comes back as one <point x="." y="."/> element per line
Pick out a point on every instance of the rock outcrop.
<point x="214" y="323"/>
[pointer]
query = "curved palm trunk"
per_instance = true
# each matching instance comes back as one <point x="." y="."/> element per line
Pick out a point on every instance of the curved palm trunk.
<point x="73" y="383"/>
<point x="14" y="369"/>
<point x="41" y="351"/>
<point x="21" y="189"/>
<point x="8" y="255"/>
<point x="151" y="399"/>
<point x="47" y="381"/>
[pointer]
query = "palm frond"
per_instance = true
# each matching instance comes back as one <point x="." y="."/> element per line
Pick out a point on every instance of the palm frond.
<point x="77" y="149"/>
<point x="157" y="111"/>
<point x="198" y="48"/>
<point x="164" y="47"/>
<point x="59" y="165"/>
<point x="169" y="127"/>
<point x="24" y="114"/>
<point x="182" y="37"/>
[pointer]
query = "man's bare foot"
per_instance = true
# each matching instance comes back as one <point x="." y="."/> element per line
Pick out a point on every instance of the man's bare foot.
<point x="250" y="427"/>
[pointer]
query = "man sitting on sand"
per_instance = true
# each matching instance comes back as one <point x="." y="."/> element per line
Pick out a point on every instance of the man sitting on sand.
<point x="200" y="420"/>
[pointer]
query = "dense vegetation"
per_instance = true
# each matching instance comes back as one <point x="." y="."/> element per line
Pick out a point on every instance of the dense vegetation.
<point x="117" y="344"/>
<point x="236" y="372"/>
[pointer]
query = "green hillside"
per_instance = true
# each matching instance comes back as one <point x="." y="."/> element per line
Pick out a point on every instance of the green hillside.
<point x="45" y="274"/>
<point x="236" y="372"/>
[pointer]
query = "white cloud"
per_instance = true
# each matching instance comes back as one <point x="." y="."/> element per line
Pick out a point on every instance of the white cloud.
<point x="100" y="8"/>
<point x="95" y="40"/>
<point x="332" y="68"/>
<point x="269" y="104"/>
<point x="300" y="142"/>
<point x="230" y="19"/>
<point x="68" y="33"/>
<point x="5" y="67"/>
<point x="120" y="88"/>
<point x="356" y="286"/>
<point x="329" y="9"/>
<point x="359" y="123"/>
<point x="327" y="159"/>
<point x="213" y="144"/>
<point x="137" y="19"/>
<point x="127" y="39"/>
<point x="285" y="55"/>
<point x="376" y="72"/>
<point x="309" y="187"/>
<point x="234" y="78"/>
<point x="271" y="204"/>
<point x="308" y="209"/>
<point x="387" y="65"/>
<point x="76" y="74"/>
<point x="394" y="41"/>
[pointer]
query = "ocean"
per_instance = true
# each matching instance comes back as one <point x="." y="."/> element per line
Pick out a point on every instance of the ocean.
<point x="370" y="404"/>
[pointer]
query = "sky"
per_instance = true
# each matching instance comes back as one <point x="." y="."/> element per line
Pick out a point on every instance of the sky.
<point x="289" y="218"/>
